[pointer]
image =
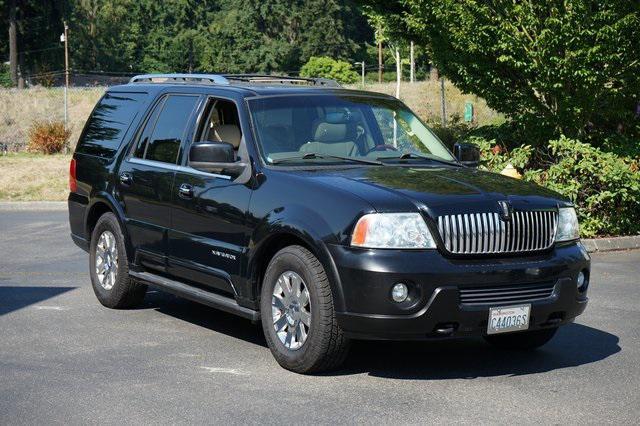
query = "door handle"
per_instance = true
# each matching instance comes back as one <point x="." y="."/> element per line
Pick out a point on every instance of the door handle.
<point x="185" y="190"/>
<point x="126" y="178"/>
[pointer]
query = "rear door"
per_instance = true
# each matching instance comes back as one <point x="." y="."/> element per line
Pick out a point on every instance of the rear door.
<point x="145" y="179"/>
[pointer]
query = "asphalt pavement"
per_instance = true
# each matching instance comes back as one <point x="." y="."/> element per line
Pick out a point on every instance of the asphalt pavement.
<point x="66" y="359"/>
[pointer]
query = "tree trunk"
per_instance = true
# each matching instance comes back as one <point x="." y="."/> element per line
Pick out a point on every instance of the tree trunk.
<point x="13" y="43"/>
<point x="412" y="69"/>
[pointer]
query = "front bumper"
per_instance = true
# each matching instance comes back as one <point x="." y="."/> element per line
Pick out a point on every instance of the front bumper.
<point x="434" y="309"/>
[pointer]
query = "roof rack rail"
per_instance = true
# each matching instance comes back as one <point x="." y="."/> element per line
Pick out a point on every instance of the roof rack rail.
<point x="281" y="79"/>
<point x="180" y="78"/>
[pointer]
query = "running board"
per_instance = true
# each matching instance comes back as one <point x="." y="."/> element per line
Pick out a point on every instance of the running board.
<point x="195" y="294"/>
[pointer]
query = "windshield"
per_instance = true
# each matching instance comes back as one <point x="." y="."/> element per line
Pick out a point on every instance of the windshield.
<point x="341" y="128"/>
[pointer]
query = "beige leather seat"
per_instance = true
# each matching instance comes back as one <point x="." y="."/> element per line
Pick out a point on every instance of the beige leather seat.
<point x="229" y="133"/>
<point x="330" y="139"/>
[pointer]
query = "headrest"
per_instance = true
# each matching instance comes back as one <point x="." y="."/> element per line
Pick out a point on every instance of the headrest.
<point x="329" y="132"/>
<point x="229" y="133"/>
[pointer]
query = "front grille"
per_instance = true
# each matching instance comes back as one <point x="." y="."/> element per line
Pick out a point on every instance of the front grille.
<point x="487" y="233"/>
<point x="505" y="295"/>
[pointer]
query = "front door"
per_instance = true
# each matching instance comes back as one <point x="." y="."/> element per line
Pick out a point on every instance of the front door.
<point x="209" y="232"/>
<point x="146" y="178"/>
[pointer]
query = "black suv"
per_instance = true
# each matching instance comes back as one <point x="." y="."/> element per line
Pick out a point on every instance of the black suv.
<point x="327" y="214"/>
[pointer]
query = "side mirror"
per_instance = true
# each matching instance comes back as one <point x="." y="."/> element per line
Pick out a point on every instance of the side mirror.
<point x="214" y="157"/>
<point x="467" y="153"/>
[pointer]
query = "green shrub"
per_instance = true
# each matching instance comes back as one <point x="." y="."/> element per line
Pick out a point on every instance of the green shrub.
<point x="325" y="67"/>
<point x="5" y="76"/>
<point x="48" y="137"/>
<point x="604" y="187"/>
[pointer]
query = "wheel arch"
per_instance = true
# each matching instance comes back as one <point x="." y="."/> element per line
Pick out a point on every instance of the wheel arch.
<point x="285" y="236"/>
<point x="100" y="204"/>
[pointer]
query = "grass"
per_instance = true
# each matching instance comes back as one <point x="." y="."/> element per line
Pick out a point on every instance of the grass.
<point x="34" y="177"/>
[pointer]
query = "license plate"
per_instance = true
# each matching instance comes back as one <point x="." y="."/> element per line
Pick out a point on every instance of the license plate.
<point x="508" y="318"/>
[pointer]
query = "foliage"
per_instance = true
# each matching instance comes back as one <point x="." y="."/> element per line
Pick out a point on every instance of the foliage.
<point x="5" y="78"/>
<point x="325" y="67"/>
<point x="567" y="67"/>
<point x="48" y="137"/>
<point x="605" y="187"/>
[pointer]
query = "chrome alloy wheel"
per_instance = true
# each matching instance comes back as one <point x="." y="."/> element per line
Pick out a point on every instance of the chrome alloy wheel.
<point x="107" y="260"/>
<point x="291" y="310"/>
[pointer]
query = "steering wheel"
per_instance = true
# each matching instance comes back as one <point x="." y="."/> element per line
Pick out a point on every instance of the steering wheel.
<point x="382" y="148"/>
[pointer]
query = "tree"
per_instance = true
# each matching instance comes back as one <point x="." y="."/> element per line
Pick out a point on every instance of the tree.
<point x="325" y="67"/>
<point x="562" y="66"/>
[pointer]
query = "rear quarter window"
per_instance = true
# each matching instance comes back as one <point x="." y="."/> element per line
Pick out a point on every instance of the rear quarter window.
<point x="109" y="122"/>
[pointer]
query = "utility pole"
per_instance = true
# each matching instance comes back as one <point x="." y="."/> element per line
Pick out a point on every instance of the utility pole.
<point x="379" y="61"/>
<point x="13" y="43"/>
<point x="412" y="69"/>
<point x="65" y="39"/>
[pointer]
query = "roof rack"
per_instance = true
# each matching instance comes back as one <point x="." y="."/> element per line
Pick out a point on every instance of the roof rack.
<point x="180" y="78"/>
<point x="281" y="79"/>
<point x="225" y="79"/>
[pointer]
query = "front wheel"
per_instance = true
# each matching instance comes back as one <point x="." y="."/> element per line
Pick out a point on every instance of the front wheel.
<point x="298" y="316"/>
<point x="522" y="340"/>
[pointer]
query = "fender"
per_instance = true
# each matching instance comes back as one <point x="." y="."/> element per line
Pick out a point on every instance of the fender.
<point x="107" y="198"/>
<point x="305" y="224"/>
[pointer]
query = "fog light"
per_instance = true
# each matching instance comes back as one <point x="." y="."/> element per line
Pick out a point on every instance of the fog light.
<point x="581" y="280"/>
<point x="399" y="292"/>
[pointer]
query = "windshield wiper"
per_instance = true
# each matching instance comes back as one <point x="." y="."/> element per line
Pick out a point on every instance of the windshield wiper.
<point x="313" y="156"/>
<point x="409" y="155"/>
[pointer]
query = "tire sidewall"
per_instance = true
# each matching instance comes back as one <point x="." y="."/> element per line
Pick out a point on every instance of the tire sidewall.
<point x="284" y="261"/>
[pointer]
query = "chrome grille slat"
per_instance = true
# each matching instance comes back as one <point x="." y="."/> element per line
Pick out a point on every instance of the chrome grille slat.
<point x="487" y="233"/>
<point x="506" y="294"/>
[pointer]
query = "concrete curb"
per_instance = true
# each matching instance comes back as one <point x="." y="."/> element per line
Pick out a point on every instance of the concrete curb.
<point x="612" y="244"/>
<point x="33" y="205"/>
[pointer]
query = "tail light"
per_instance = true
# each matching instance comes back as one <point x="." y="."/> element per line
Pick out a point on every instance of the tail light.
<point x="73" y="181"/>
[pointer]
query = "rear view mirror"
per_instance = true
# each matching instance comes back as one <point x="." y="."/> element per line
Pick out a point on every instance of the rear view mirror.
<point x="467" y="153"/>
<point x="214" y="157"/>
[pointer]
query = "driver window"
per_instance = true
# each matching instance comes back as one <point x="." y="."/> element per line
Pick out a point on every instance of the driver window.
<point x="221" y="123"/>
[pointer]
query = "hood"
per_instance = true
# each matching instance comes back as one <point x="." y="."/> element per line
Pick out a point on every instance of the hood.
<point x="440" y="190"/>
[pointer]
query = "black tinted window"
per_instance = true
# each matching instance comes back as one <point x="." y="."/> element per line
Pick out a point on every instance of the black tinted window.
<point x="109" y="122"/>
<point x="164" y="142"/>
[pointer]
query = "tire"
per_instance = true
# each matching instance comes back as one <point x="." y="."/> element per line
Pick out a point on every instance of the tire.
<point x="118" y="290"/>
<point x="325" y="347"/>
<point x="522" y="341"/>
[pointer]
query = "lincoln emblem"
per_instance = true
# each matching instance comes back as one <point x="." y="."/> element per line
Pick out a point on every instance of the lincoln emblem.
<point x="505" y="210"/>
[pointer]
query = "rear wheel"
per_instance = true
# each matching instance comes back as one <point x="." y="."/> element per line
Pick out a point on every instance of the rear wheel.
<point x="523" y="340"/>
<point x="109" y="267"/>
<point x="298" y="316"/>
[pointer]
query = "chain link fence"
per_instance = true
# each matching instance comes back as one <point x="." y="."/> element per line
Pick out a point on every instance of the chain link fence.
<point x="20" y="109"/>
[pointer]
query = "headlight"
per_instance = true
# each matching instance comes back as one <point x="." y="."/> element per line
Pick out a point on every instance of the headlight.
<point x="568" y="228"/>
<point x="392" y="230"/>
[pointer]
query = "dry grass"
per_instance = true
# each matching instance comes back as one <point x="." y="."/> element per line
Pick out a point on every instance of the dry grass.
<point x="34" y="177"/>
<point x="424" y="99"/>
<point x="19" y="109"/>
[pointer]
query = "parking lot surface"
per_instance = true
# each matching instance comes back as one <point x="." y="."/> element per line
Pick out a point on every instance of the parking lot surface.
<point x="66" y="359"/>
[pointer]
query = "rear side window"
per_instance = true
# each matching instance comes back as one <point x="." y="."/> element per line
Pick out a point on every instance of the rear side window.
<point x="163" y="134"/>
<point x="109" y="122"/>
